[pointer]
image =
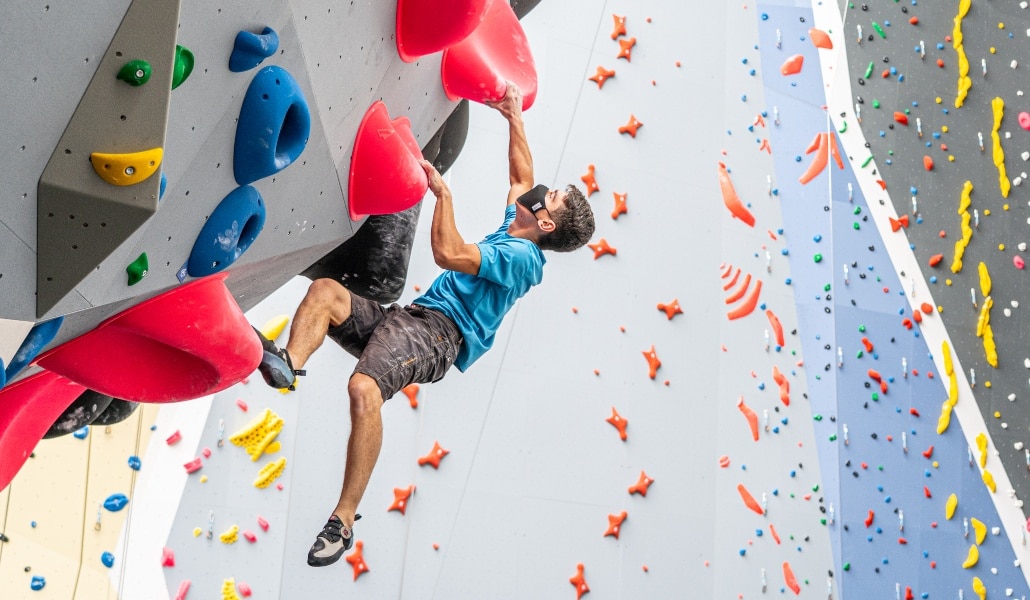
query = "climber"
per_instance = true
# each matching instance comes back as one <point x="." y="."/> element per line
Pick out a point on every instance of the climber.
<point x="453" y="322"/>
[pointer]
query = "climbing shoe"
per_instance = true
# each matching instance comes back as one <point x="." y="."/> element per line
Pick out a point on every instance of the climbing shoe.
<point x="276" y="367"/>
<point x="334" y="539"/>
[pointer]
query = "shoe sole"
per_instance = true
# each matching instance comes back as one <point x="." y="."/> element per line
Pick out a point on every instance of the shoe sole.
<point x="274" y="369"/>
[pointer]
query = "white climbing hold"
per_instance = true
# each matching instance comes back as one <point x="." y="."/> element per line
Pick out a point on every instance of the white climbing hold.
<point x="1018" y="445"/>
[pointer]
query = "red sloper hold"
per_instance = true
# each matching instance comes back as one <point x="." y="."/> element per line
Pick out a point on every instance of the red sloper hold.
<point x="590" y="181"/>
<point x="749" y="500"/>
<point x="790" y="579"/>
<point x="640" y="487"/>
<point x="617" y="421"/>
<point x="579" y="582"/>
<point x="784" y="384"/>
<point x="792" y="66"/>
<point x="602" y="76"/>
<point x="731" y="199"/>
<point x="357" y="560"/>
<point x="479" y="67"/>
<point x="901" y="118"/>
<point x="777" y="327"/>
<point x="428" y="27"/>
<point x="385" y="175"/>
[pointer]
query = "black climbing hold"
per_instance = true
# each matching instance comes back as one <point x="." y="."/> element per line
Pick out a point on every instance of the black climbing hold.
<point x="116" y="412"/>
<point x="83" y="411"/>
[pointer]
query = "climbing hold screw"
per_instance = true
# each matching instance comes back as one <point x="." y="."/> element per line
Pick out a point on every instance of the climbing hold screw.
<point x="135" y="72"/>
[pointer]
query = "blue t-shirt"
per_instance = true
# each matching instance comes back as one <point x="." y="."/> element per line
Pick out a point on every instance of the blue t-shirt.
<point x="477" y="304"/>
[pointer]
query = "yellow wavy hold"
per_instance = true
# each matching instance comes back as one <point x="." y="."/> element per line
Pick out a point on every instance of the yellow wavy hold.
<point x="972" y="558"/>
<point x="989" y="481"/>
<point x="945" y="419"/>
<point x="964" y="82"/>
<point x="950" y="506"/>
<point x="960" y="245"/>
<point x="981" y="445"/>
<point x="949" y="367"/>
<point x="229" y="590"/>
<point x="979" y="589"/>
<point x="952" y="390"/>
<point x="990" y="348"/>
<point x="998" y="107"/>
<point x="980" y="529"/>
<point x="985" y="279"/>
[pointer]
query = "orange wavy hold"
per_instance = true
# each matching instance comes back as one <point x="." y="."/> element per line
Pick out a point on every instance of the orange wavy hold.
<point x="750" y="415"/>
<point x="777" y="327"/>
<point x="781" y="380"/>
<point x="788" y="576"/>
<point x="411" y="391"/>
<point x="620" y="26"/>
<point x="590" y="181"/>
<point x="740" y="291"/>
<point x="749" y="500"/>
<point x="731" y="199"/>
<point x="617" y="421"/>
<point x="357" y="560"/>
<point x="640" y="487"/>
<point x="732" y="282"/>
<point x="602" y="75"/>
<point x="748" y="305"/>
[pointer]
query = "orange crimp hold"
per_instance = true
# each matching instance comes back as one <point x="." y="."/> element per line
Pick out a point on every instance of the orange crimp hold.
<point x="868" y="345"/>
<point x="875" y="376"/>
<point x="781" y="380"/>
<point x="631" y="126"/>
<point x="601" y="248"/>
<point x="615" y="524"/>
<point x="740" y="291"/>
<point x="777" y="327"/>
<point x="788" y="576"/>
<point x="731" y="199"/>
<point x="579" y="581"/>
<point x="749" y="500"/>
<point x="820" y="39"/>
<point x="357" y="560"/>
<point x="620" y="205"/>
<point x="927" y="163"/>
<point x="653" y="364"/>
<point x="765" y="146"/>
<point x="671" y="309"/>
<point x="748" y="306"/>
<point x="776" y="536"/>
<point x="411" y="391"/>
<point x="898" y="223"/>
<point x="619" y="423"/>
<point x="590" y="181"/>
<point x="732" y="282"/>
<point x="434" y="457"/>
<point x="823" y="145"/>
<point x="936" y="259"/>
<point x="400" y="498"/>
<point x="626" y="48"/>
<point x="869" y="519"/>
<point x="750" y="415"/>
<point x="792" y="66"/>
<point x="640" y="487"/>
<point x="620" y="26"/>
<point x="602" y="76"/>
<point x="901" y="118"/>
<point x="759" y="120"/>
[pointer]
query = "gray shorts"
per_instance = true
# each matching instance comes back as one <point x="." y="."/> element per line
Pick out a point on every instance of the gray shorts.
<point x="396" y="345"/>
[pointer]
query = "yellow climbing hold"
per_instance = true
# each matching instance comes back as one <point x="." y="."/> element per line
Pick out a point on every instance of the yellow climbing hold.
<point x="985" y="279"/>
<point x="972" y="558"/>
<point x="998" y="107"/>
<point x="231" y="535"/>
<point x="949" y="367"/>
<point x="964" y="82"/>
<point x="273" y="328"/>
<point x="983" y="320"/>
<point x="273" y="448"/>
<point x="980" y="529"/>
<point x="989" y="481"/>
<point x="981" y="445"/>
<point x="990" y="348"/>
<point x="258" y="434"/>
<point x="950" y="506"/>
<point x="229" y="590"/>
<point x="967" y="232"/>
<point x="197" y="531"/>
<point x="979" y="589"/>
<point x="129" y="168"/>
<point x="965" y="200"/>
<point x="945" y="419"/>
<point x="952" y="390"/>
<point x="270" y="473"/>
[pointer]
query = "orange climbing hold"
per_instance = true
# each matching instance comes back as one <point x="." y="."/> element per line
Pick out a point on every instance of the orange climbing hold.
<point x="671" y="309"/>
<point x="936" y="259"/>
<point x="820" y="39"/>
<point x="869" y="519"/>
<point x="400" y="498"/>
<point x="590" y="181"/>
<point x="731" y="199"/>
<point x="792" y="66"/>
<point x="788" y="576"/>
<point x="823" y="145"/>
<point x="640" y="487"/>
<point x="579" y="582"/>
<point x="601" y="248"/>
<point x="901" y="118"/>
<point x="615" y="524"/>
<point x="748" y="306"/>
<point x="765" y="146"/>
<point x="750" y="415"/>
<point x="602" y="76"/>
<point x="926" y="307"/>
<point x="749" y="500"/>
<point x="777" y="327"/>
<point x="781" y="380"/>
<point x="740" y="291"/>
<point x="653" y="364"/>
<point x="898" y="223"/>
<point x="868" y="345"/>
<point x="631" y="126"/>
<point x="620" y="205"/>
<point x="357" y="560"/>
<point x="618" y="422"/>
<point x="732" y="282"/>
<point x="927" y="163"/>
<point x="411" y="391"/>
<point x="626" y="48"/>
<point x="620" y="26"/>
<point x="434" y="457"/>
<point x="776" y="536"/>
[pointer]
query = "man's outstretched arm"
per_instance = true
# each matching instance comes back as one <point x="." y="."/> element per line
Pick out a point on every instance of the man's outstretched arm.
<point x="449" y="249"/>
<point x="520" y="160"/>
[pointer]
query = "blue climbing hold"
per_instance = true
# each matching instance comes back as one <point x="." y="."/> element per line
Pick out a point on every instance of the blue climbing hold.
<point x="251" y="48"/>
<point x="116" y="502"/>
<point x="108" y="559"/>
<point x="164" y="184"/>
<point x="40" y="335"/>
<point x="135" y="463"/>
<point x="273" y="128"/>
<point x="229" y="231"/>
<point x="38" y="582"/>
<point x="81" y="433"/>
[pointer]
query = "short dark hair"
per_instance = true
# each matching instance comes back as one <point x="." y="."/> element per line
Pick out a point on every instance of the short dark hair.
<point x="573" y="224"/>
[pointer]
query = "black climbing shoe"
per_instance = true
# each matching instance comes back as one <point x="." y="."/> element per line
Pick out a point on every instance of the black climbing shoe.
<point x="334" y="539"/>
<point x="276" y="367"/>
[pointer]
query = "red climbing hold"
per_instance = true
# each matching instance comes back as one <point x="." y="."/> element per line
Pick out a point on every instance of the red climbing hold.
<point x="868" y="345"/>
<point x="869" y="519"/>
<point x="579" y="582"/>
<point x="400" y="498"/>
<point x="479" y="67"/>
<point x="619" y="423"/>
<point x="590" y="181"/>
<point x="671" y="309"/>
<point x="792" y="66"/>
<point x="820" y="39"/>
<point x="653" y="364"/>
<point x="602" y="76"/>
<point x="626" y="48"/>
<point x="913" y="21"/>
<point x="631" y="126"/>
<point x="601" y="248"/>
<point x="434" y="457"/>
<point x="917" y="316"/>
<point x="428" y="27"/>
<point x="167" y="557"/>
<point x="640" y="487"/>
<point x="385" y="175"/>
<point x="926" y="492"/>
<point x="731" y="199"/>
<point x="615" y="524"/>
<point x="901" y="117"/>
<point x="620" y="205"/>
<point x="357" y="560"/>
<point x="620" y="26"/>
<point x="411" y="391"/>
<point x="926" y="307"/>
<point x="913" y="412"/>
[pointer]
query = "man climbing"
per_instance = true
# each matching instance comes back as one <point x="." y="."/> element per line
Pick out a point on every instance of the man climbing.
<point x="453" y="322"/>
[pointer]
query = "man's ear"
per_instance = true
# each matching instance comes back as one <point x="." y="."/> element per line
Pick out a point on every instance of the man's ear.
<point x="545" y="225"/>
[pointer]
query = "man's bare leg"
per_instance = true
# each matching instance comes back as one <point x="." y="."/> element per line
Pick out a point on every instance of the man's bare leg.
<point x="366" y="439"/>
<point x="326" y="303"/>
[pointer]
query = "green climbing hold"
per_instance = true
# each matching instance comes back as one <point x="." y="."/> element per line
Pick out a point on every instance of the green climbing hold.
<point x="858" y="210"/>
<point x="879" y="30"/>
<point x="847" y="566"/>
<point x="869" y="70"/>
<point x="860" y="354"/>
<point x="876" y="397"/>
<point x="843" y="127"/>
<point x="876" y="103"/>
<point x="138" y="269"/>
<point x="861" y="328"/>
<point x="827" y="287"/>
<point x="818" y="417"/>
<point x="135" y="72"/>
<point x="833" y="437"/>
<point x="867" y="161"/>
<point x="856" y="226"/>
<point x="823" y="521"/>
<point x="183" y="65"/>
<point x="815" y="488"/>
<point x="818" y="258"/>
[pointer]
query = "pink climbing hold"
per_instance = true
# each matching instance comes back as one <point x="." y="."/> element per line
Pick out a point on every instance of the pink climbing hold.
<point x="262" y="523"/>
<point x="1024" y="120"/>
<point x="1018" y="262"/>
<point x="194" y="465"/>
<point x="479" y="67"/>
<point x="167" y="557"/>
<point x="174" y="438"/>
<point x="249" y="536"/>
<point x="792" y="66"/>
<point x="184" y="588"/>
<point x="244" y="589"/>
<point x="385" y="175"/>
<point x="428" y="27"/>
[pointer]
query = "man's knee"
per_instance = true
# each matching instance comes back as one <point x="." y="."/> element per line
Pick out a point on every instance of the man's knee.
<point x="365" y="395"/>
<point x="330" y="295"/>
